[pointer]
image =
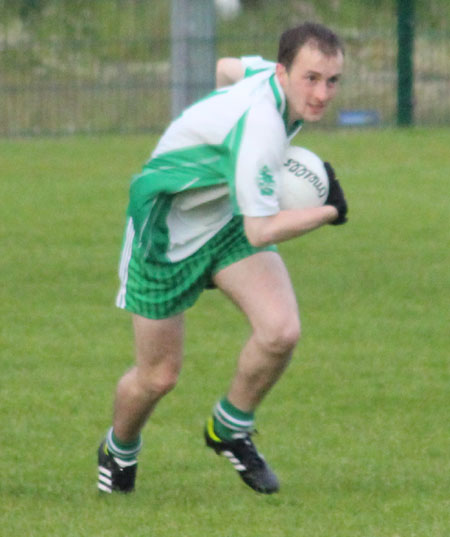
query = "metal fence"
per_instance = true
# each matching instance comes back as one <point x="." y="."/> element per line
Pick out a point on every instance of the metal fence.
<point x="72" y="66"/>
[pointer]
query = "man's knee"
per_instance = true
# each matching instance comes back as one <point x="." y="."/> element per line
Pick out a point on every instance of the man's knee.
<point x="157" y="381"/>
<point x="159" y="353"/>
<point x="162" y="384"/>
<point x="280" y="336"/>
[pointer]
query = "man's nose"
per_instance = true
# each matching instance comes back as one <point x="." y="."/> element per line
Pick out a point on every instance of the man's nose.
<point x="322" y="92"/>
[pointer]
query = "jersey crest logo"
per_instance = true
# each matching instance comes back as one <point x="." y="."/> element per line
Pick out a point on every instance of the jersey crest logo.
<point x="266" y="183"/>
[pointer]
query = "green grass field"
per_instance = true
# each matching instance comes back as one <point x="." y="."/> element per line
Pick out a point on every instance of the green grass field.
<point x="358" y="428"/>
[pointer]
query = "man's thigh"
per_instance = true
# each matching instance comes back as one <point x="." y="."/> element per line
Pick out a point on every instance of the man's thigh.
<point x="159" y="342"/>
<point x="261" y="287"/>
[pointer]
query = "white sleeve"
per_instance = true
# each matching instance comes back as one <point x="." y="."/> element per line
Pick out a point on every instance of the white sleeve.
<point x="259" y="163"/>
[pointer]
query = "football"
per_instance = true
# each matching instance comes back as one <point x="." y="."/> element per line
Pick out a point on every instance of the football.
<point x="304" y="180"/>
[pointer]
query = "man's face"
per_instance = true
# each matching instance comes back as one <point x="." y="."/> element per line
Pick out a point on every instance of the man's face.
<point x="311" y="82"/>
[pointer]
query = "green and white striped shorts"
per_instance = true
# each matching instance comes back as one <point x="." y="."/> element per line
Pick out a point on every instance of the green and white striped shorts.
<point x="159" y="290"/>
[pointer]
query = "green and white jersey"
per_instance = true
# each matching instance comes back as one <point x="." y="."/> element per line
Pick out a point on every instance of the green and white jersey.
<point x="221" y="157"/>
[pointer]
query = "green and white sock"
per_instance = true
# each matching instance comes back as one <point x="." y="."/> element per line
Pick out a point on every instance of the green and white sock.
<point x="229" y="421"/>
<point x="125" y="454"/>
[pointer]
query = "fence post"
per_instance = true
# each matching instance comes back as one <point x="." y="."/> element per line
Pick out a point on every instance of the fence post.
<point x="193" y="55"/>
<point x="405" y="62"/>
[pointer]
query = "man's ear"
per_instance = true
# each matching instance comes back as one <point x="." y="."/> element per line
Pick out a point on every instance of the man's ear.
<point x="281" y="73"/>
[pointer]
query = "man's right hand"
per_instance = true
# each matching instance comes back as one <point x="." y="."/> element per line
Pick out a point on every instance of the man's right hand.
<point x="336" y="196"/>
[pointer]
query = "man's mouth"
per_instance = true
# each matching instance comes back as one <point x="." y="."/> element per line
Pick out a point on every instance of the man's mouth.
<point x="317" y="108"/>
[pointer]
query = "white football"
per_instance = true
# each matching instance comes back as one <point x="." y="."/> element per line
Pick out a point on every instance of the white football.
<point x="304" y="180"/>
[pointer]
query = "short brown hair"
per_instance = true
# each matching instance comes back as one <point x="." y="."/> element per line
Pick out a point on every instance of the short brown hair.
<point x="292" y="40"/>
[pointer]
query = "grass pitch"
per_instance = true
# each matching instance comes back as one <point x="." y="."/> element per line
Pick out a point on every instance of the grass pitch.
<point x="357" y="429"/>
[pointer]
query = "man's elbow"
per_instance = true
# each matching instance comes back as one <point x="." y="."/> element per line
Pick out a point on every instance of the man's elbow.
<point x="220" y="75"/>
<point x="228" y="71"/>
<point x="257" y="232"/>
<point x="257" y="241"/>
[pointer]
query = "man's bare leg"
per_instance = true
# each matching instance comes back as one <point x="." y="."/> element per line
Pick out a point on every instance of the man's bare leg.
<point x="261" y="288"/>
<point x="159" y="355"/>
<point x="159" y="351"/>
